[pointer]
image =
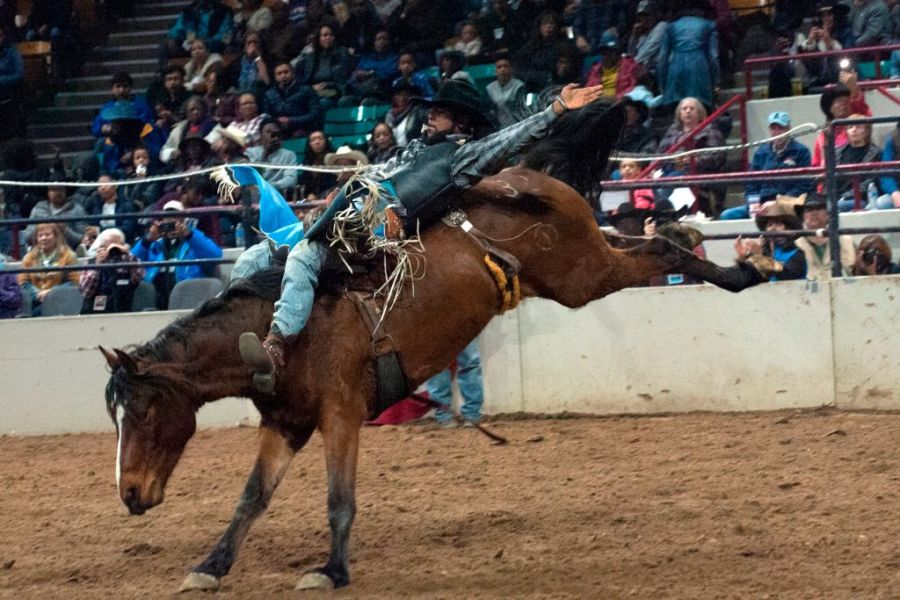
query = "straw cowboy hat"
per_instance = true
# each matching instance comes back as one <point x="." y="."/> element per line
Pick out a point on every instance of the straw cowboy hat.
<point x="346" y="153"/>
<point x="778" y="211"/>
<point x="235" y="134"/>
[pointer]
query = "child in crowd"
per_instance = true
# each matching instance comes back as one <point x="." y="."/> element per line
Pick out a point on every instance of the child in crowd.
<point x="641" y="198"/>
<point x="469" y="41"/>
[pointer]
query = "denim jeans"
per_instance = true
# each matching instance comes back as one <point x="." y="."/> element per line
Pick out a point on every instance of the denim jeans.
<point x="735" y="212"/>
<point x="298" y="286"/>
<point x="883" y="202"/>
<point x="468" y="375"/>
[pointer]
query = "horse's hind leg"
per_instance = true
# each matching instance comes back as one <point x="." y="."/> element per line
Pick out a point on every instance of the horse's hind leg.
<point x="340" y="433"/>
<point x="272" y="461"/>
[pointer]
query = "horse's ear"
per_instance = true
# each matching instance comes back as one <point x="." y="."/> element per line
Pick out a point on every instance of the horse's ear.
<point x="112" y="359"/>
<point x="126" y="360"/>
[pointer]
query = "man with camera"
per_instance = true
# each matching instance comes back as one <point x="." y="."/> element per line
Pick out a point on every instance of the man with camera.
<point x="174" y="238"/>
<point x="109" y="290"/>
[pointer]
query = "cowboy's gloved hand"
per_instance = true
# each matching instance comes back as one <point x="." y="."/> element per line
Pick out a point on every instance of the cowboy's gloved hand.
<point x="575" y="97"/>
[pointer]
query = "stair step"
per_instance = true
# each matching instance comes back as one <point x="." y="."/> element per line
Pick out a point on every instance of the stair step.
<point x="178" y="6"/>
<point x="149" y="36"/>
<point x="91" y="98"/>
<point x="149" y="22"/>
<point x="102" y="82"/>
<point x="108" y="67"/>
<point x="65" y="114"/>
<point x="69" y="158"/>
<point x="49" y="130"/>
<point x="124" y="52"/>
<point x="84" y="143"/>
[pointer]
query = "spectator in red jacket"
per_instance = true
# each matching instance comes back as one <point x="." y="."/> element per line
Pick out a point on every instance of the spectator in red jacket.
<point x="618" y="74"/>
<point x="839" y="102"/>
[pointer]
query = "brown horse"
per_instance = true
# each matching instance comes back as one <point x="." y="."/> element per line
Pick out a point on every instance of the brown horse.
<point x="329" y="383"/>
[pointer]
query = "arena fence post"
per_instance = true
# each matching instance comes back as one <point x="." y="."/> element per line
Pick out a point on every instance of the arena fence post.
<point x="831" y="195"/>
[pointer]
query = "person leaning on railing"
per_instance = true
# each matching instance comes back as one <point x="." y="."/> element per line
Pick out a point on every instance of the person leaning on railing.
<point x="50" y="250"/>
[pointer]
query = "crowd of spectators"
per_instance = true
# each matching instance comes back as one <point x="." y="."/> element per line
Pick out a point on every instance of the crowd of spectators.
<point x="240" y="78"/>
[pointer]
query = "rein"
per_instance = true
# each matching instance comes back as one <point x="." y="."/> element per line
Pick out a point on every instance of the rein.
<point x="503" y="266"/>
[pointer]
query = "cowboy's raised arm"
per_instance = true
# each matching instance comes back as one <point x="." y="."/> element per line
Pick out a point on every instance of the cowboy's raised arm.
<point x="489" y="155"/>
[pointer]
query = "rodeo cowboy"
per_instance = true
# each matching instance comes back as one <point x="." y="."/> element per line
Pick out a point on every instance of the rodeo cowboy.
<point x="412" y="185"/>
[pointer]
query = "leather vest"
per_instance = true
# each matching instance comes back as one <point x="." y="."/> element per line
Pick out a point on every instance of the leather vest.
<point x="423" y="183"/>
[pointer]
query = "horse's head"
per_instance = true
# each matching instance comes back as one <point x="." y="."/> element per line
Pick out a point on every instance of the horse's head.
<point x="154" y="421"/>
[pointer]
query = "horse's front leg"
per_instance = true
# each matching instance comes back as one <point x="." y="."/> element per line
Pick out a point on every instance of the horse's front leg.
<point x="275" y="454"/>
<point x="340" y="433"/>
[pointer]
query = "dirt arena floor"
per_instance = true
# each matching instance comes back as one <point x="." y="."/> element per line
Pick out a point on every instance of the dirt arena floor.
<point x="766" y="505"/>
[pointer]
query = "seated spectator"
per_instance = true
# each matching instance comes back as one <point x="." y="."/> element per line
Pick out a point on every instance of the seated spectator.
<point x="358" y="32"/>
<point x="145" y="193"/>
<point x="503" y="29"/>
<point x="382" y="146"/>
<point x="822" y="36"/>
<point x="201" y="61"/>
<point x="593" y="18"/>
<point x="817" y="250"/>
<point x="376" y="69"/>
<point x="345" y="156"/>
<point x="689" y="114"/>
<point x="173" y="238"/>
<point x="618" y="74"/>
<point x="232" y="144"/>
<point x="221" y="105"/>
<point x="470" y="43"/>
<point x="50" y="250"/>
<point x="109" y="290"/>
<point x="641" y="198"/>
<point x="636" y="137"/>
<point x="874" y="258"/>
<point x="870" y="22"/>
<point x="107" y="201"/>
<point x="87" y="240"/>
<point x="127" y="131"/>
<point x="424" y="25"/>
<point x="20" y="163"/>
<point x="316" y="185"/>
<point x="168" y="97"/>
<point x="12" y="77"/>
<point x="888" y="183"/>
<point x="628" y="219"/>
<point x="507" y="93"/>
<point x="860" y="149"/>
<point x="203" y="19"/>
<point x="785" y="153"/>
<point x="284" y="41"/>
<point x="411" y="78"/>
<point x="248" y="121"/>
<point x="121" y="92"/>
<point x="450" y="64"/>
<point x="646" y="36"/>
<point x="689" y="56"/>
<point x="193" y="192"/>
<point x="10" y="293"/>
<point x="537" y="60"/>
<point x="326" y="69"/>
<point x="787" y="260"/>
<point x="839" y="102"/>
<point x="58" y="204"/>
<point x="405" y="118"/>
<point x="197" y="123"/>
<point x="250" y="73"/>
<point x="294" y="107"/>
<point x="270" y="152"/>
<point x="51" y="21"/>
<point x="250" y="16"/>
<point x="194" y="153"/>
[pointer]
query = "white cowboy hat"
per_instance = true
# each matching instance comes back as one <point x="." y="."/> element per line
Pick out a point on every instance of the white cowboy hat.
<point x="346" y="153"/>
<point x="235" y="134"/>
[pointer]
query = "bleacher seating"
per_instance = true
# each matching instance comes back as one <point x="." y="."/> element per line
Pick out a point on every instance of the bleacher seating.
<point x="353" y="126"/>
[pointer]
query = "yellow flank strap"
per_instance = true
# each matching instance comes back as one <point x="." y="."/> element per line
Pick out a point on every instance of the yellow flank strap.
<point x="509" y="290"/>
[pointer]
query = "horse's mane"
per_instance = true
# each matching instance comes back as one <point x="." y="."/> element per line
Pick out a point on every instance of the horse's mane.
<point x="578" y="146"/>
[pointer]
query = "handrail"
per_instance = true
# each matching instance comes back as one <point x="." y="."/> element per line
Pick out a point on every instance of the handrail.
<point x="888" y="95"/>
<point x="696" y="131"/>
<point x="766" y="60"/>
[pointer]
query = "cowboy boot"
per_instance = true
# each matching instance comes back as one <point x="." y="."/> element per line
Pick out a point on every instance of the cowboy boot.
<point x="266" y="358"/>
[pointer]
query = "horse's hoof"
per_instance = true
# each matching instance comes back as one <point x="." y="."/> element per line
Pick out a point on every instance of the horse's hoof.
<point x="315" y="581"/>
<point x="200" y="581"/>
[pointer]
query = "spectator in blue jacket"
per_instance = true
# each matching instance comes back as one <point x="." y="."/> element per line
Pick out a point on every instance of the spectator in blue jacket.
<point x="375" y="70"/>
<point x="295" y="106"/>
<point x="121" y="83"/>
<point x="174" y="238"/>
<point x="409" y="76"/>
<point x="889" y="182"/>
<point x="203" y="19"/>
<point x="10" y="293"/>
<point x="786" y="153"/>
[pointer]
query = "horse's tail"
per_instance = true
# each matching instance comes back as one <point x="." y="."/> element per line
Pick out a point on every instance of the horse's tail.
<point x="578" y="146"/>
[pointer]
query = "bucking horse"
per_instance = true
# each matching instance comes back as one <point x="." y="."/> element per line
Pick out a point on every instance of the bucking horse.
<point x="532" y="214"/>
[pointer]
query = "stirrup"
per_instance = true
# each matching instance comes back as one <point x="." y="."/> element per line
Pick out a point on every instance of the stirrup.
<point x="255" y="355"/>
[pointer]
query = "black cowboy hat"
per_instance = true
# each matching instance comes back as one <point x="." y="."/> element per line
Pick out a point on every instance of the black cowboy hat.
<point x="457" y="95"/>
<point x="639" y="105"/>
<point x="627" y="210"/>
<point x="664" y="212"/>
<point x="188" y="140"/>
<point x="813" y="201"/>
<point x="401" y="85"/>
<point x="831" y="94"/>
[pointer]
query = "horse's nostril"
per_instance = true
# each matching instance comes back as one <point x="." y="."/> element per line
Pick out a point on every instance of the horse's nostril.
<point x="131" y="498"/>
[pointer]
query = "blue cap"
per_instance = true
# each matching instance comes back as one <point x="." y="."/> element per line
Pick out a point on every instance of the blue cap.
<point x="780" y="118"/>
<point x="609" y="40"/>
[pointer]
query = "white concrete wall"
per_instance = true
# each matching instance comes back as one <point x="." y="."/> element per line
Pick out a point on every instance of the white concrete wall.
<point x="644" y="350"/>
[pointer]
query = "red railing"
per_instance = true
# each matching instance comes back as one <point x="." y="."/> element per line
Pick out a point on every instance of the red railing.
<point x="878" y="51"/>
<point x="689" y="138"/>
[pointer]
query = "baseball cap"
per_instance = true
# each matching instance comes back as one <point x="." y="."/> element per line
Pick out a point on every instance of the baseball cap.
<point x="780" y="118"/>
<point x="173" y="205"/>
<point x="609" y="40"/>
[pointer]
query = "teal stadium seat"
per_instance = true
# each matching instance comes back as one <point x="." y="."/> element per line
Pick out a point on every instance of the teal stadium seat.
<point x="482" y="74"/>
<point x="352" y="126"/>
<point x="297" y="146"/>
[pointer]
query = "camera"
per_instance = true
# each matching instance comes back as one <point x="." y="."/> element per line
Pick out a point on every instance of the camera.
<point x="114" y="255"/>
<point x="166" y="227"/>
<point x="871" y="254"/>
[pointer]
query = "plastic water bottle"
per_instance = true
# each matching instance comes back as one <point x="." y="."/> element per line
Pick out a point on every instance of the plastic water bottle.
<point x="753" y="204"/>
<point x="239" y="237"/>
<point x="872" y="196"/>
